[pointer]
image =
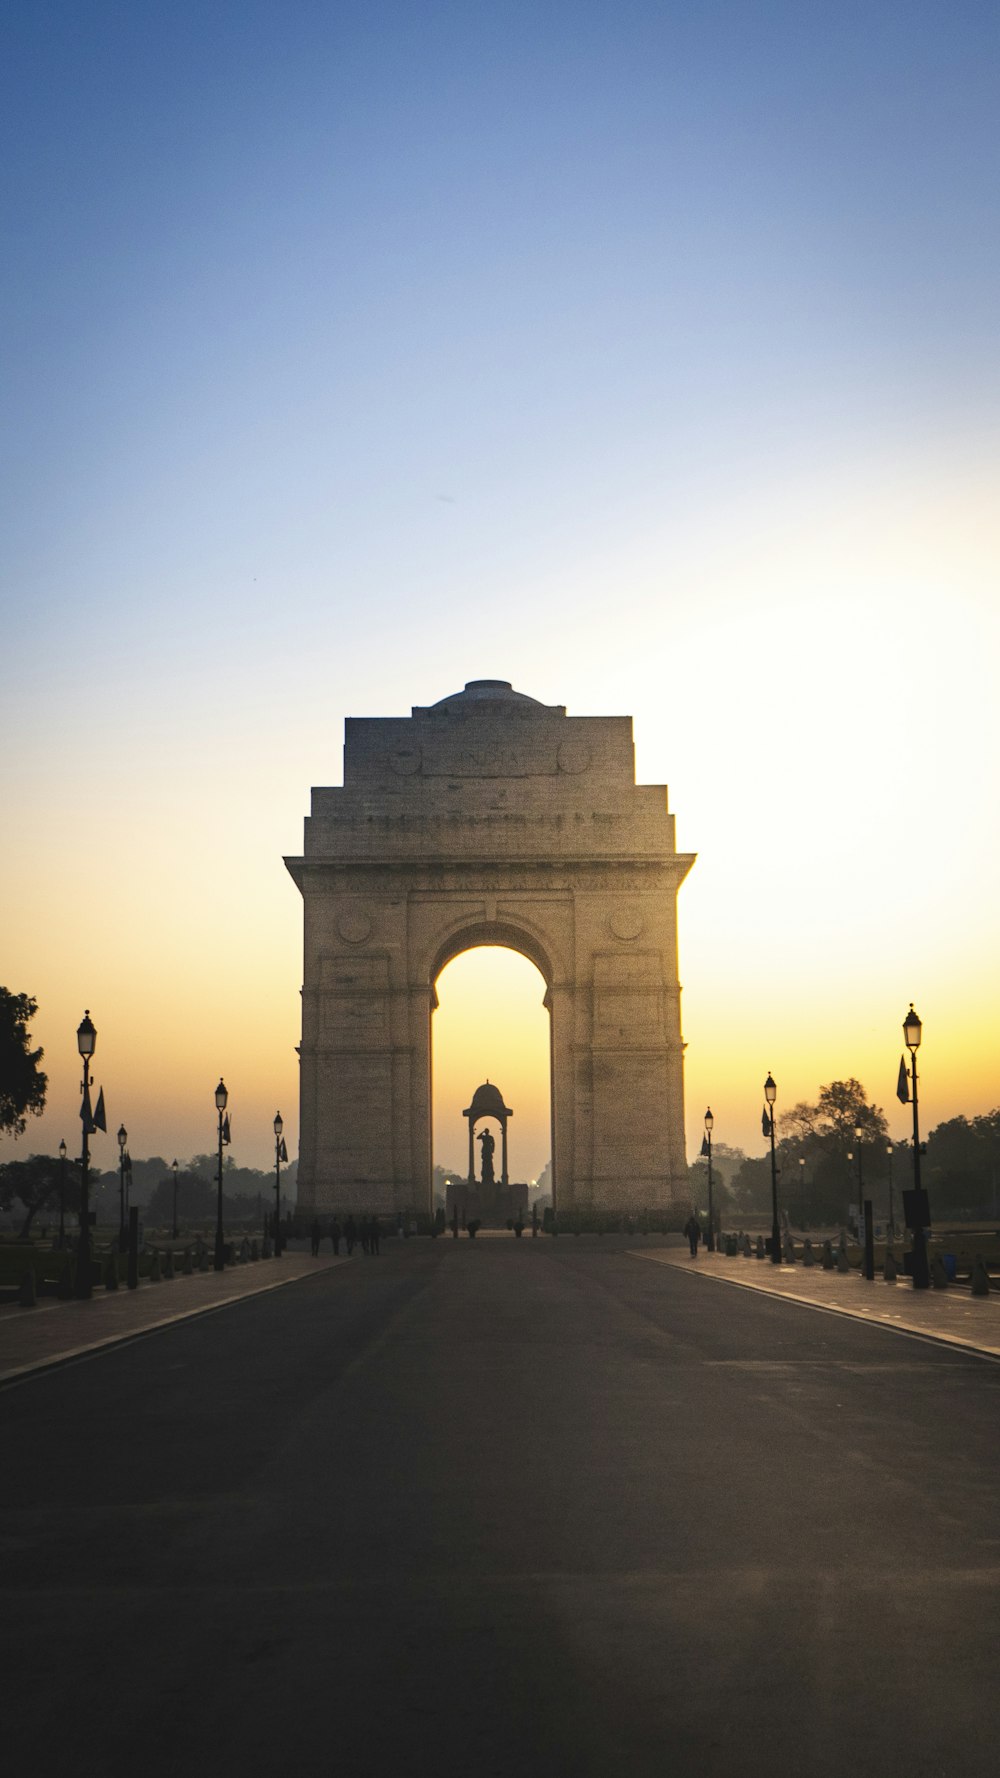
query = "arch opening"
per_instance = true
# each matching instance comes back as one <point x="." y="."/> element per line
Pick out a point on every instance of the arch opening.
<point x="491" y="1023"/>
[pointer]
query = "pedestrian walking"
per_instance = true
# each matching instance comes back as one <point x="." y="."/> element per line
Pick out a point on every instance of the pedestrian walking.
<point x="364" y="1234"/>
<point x="375" y="1234"/>
<point x="335" y="1233"/>
<point x="692" y="1229"/>
<point x="350" y="1234"/>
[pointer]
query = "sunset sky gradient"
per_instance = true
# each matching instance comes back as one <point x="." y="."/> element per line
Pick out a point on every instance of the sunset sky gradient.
<point x="644" y="356"/>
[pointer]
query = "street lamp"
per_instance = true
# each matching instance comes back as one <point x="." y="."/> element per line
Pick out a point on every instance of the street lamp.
<point x="122" y="1139"/>
<point x="770" y="1094"/>
<point x="892" y="1217"/>
<point x="62" y="1195"/>
<point x="221" y="1101"/>
<point x="173" y="1169"/>
<point x="709" y="1127"/>
<point x="278" y="1145"/>
<point x="802" y="1191"/>
<point x="858" y="1133"/>
<point x="912" y="1031"/>
<point x="86" y="1039"/>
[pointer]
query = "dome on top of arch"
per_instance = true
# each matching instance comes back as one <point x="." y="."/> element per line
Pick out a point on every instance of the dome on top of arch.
<point x="487" y="1101"/>
<point x="494" y="691"/>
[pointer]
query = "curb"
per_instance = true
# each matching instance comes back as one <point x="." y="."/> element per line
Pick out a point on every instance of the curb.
<point x="951" y="1342"/>
<point x="79" y="1354"/>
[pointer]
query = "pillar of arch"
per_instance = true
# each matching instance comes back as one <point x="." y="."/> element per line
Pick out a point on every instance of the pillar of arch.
<point x="490" y="818"/>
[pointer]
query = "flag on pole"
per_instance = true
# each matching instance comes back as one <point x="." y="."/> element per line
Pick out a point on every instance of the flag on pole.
<point x="766" y="1122"/>
<point x="226" y="1137"/>
<point x="283" y="1152"/>
<point x="100" y="1121"/>
<point x="86" y="1115"/>
<point x="903" y="1084"/>
<point x="705" y="1150"/>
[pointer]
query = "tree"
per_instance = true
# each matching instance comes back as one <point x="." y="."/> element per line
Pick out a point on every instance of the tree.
<point x="35" y="1184"/>
<point x="22" y="1083"/>
<point x="964" y="1164"/>
<point x="842" y="1108"/>
<point x="196" y="1200"/>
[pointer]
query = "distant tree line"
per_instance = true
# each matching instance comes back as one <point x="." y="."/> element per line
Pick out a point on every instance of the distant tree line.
<point x="817" y="1182"/>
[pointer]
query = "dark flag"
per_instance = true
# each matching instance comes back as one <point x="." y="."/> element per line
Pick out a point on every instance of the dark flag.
<point x="903" y="1084"/>
<point x="226" y="1137"/>
<point x="100" y="1121"/>
<point x="705" y="1150"/>
<point x="283" y="1152"/>
<point x="766" y="1123"/>
<point x="86" y="1115"/>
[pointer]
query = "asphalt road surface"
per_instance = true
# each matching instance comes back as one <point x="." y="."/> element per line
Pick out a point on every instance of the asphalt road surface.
<point x="496" y="1507"/>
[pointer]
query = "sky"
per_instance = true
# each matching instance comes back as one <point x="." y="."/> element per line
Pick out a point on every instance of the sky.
<point x="642" y="355"/>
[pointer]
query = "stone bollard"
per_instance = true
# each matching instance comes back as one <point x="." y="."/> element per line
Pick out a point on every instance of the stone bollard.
<point x="27" y="1295"/>
<point x="980" y="1278"/>
<point x="731" y="1247"/>
<point x="807" y="1253"/>
<point x="939" y="1277"/>
<point x="788" y="1251"/>
<point x="843" y="1263"/>
<point x="890" y="1268"/>
<point x="826" y="1258"/>
<point x="761" y="1252"/>
<point x="745" y="1246"/>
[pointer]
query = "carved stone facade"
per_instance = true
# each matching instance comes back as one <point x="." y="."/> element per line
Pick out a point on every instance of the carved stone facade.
<point x="490" y="819"/>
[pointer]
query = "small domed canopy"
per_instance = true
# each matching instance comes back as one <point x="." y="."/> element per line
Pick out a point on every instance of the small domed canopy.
<point x="487" y="1101"/>
<point x="479" y="691"/>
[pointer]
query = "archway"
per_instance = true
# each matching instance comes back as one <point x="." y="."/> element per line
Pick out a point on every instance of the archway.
<point x="489" y="818"/>
<point x="491" y="1023"/>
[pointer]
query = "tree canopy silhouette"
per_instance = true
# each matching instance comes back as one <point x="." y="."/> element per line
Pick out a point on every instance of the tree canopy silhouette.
<point x="22" y="1083"/>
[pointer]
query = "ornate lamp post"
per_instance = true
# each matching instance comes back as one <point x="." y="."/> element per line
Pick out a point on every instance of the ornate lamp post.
<point x="802" y="1191"/>
<point x="62" y="1195"/>
<point x="709" y="1127"/>
<point x="912" y="1032"/>
<point x="221" y="1101"/>
<point x="173" y="1169"/>
<point x="892" y="1216"/>
<point x="86" y="1040"/>
<point x="122" y="1237"/>
<point x="858" y="1133"/>
<point x="278" y="1127"/>
<point x="770" y="1094"/>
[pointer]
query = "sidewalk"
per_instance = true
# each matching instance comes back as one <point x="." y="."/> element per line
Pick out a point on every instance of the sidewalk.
<point x="951" y="1317"/>
<point x="55" y="1332"/>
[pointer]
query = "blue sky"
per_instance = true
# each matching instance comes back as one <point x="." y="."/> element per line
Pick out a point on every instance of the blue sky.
<point x="643" y="355"/>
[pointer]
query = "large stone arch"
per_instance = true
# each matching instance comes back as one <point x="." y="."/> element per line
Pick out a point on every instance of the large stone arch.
<point x="490" y="819"/>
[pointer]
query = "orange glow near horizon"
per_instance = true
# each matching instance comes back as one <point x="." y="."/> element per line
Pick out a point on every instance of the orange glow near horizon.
<point x="491" y="1024"/>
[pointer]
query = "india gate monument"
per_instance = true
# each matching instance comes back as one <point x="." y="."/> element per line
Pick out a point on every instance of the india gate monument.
<point x="490" y="819"/>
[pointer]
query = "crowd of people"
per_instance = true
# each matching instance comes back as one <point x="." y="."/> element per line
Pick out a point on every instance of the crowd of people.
<point x="366" y="1232"/>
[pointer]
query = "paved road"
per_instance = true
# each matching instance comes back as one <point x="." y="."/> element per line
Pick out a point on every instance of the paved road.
<point x="517" y="1508"/>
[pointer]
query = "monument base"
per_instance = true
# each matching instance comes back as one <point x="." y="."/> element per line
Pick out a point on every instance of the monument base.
<point x="493" y="1206"/>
